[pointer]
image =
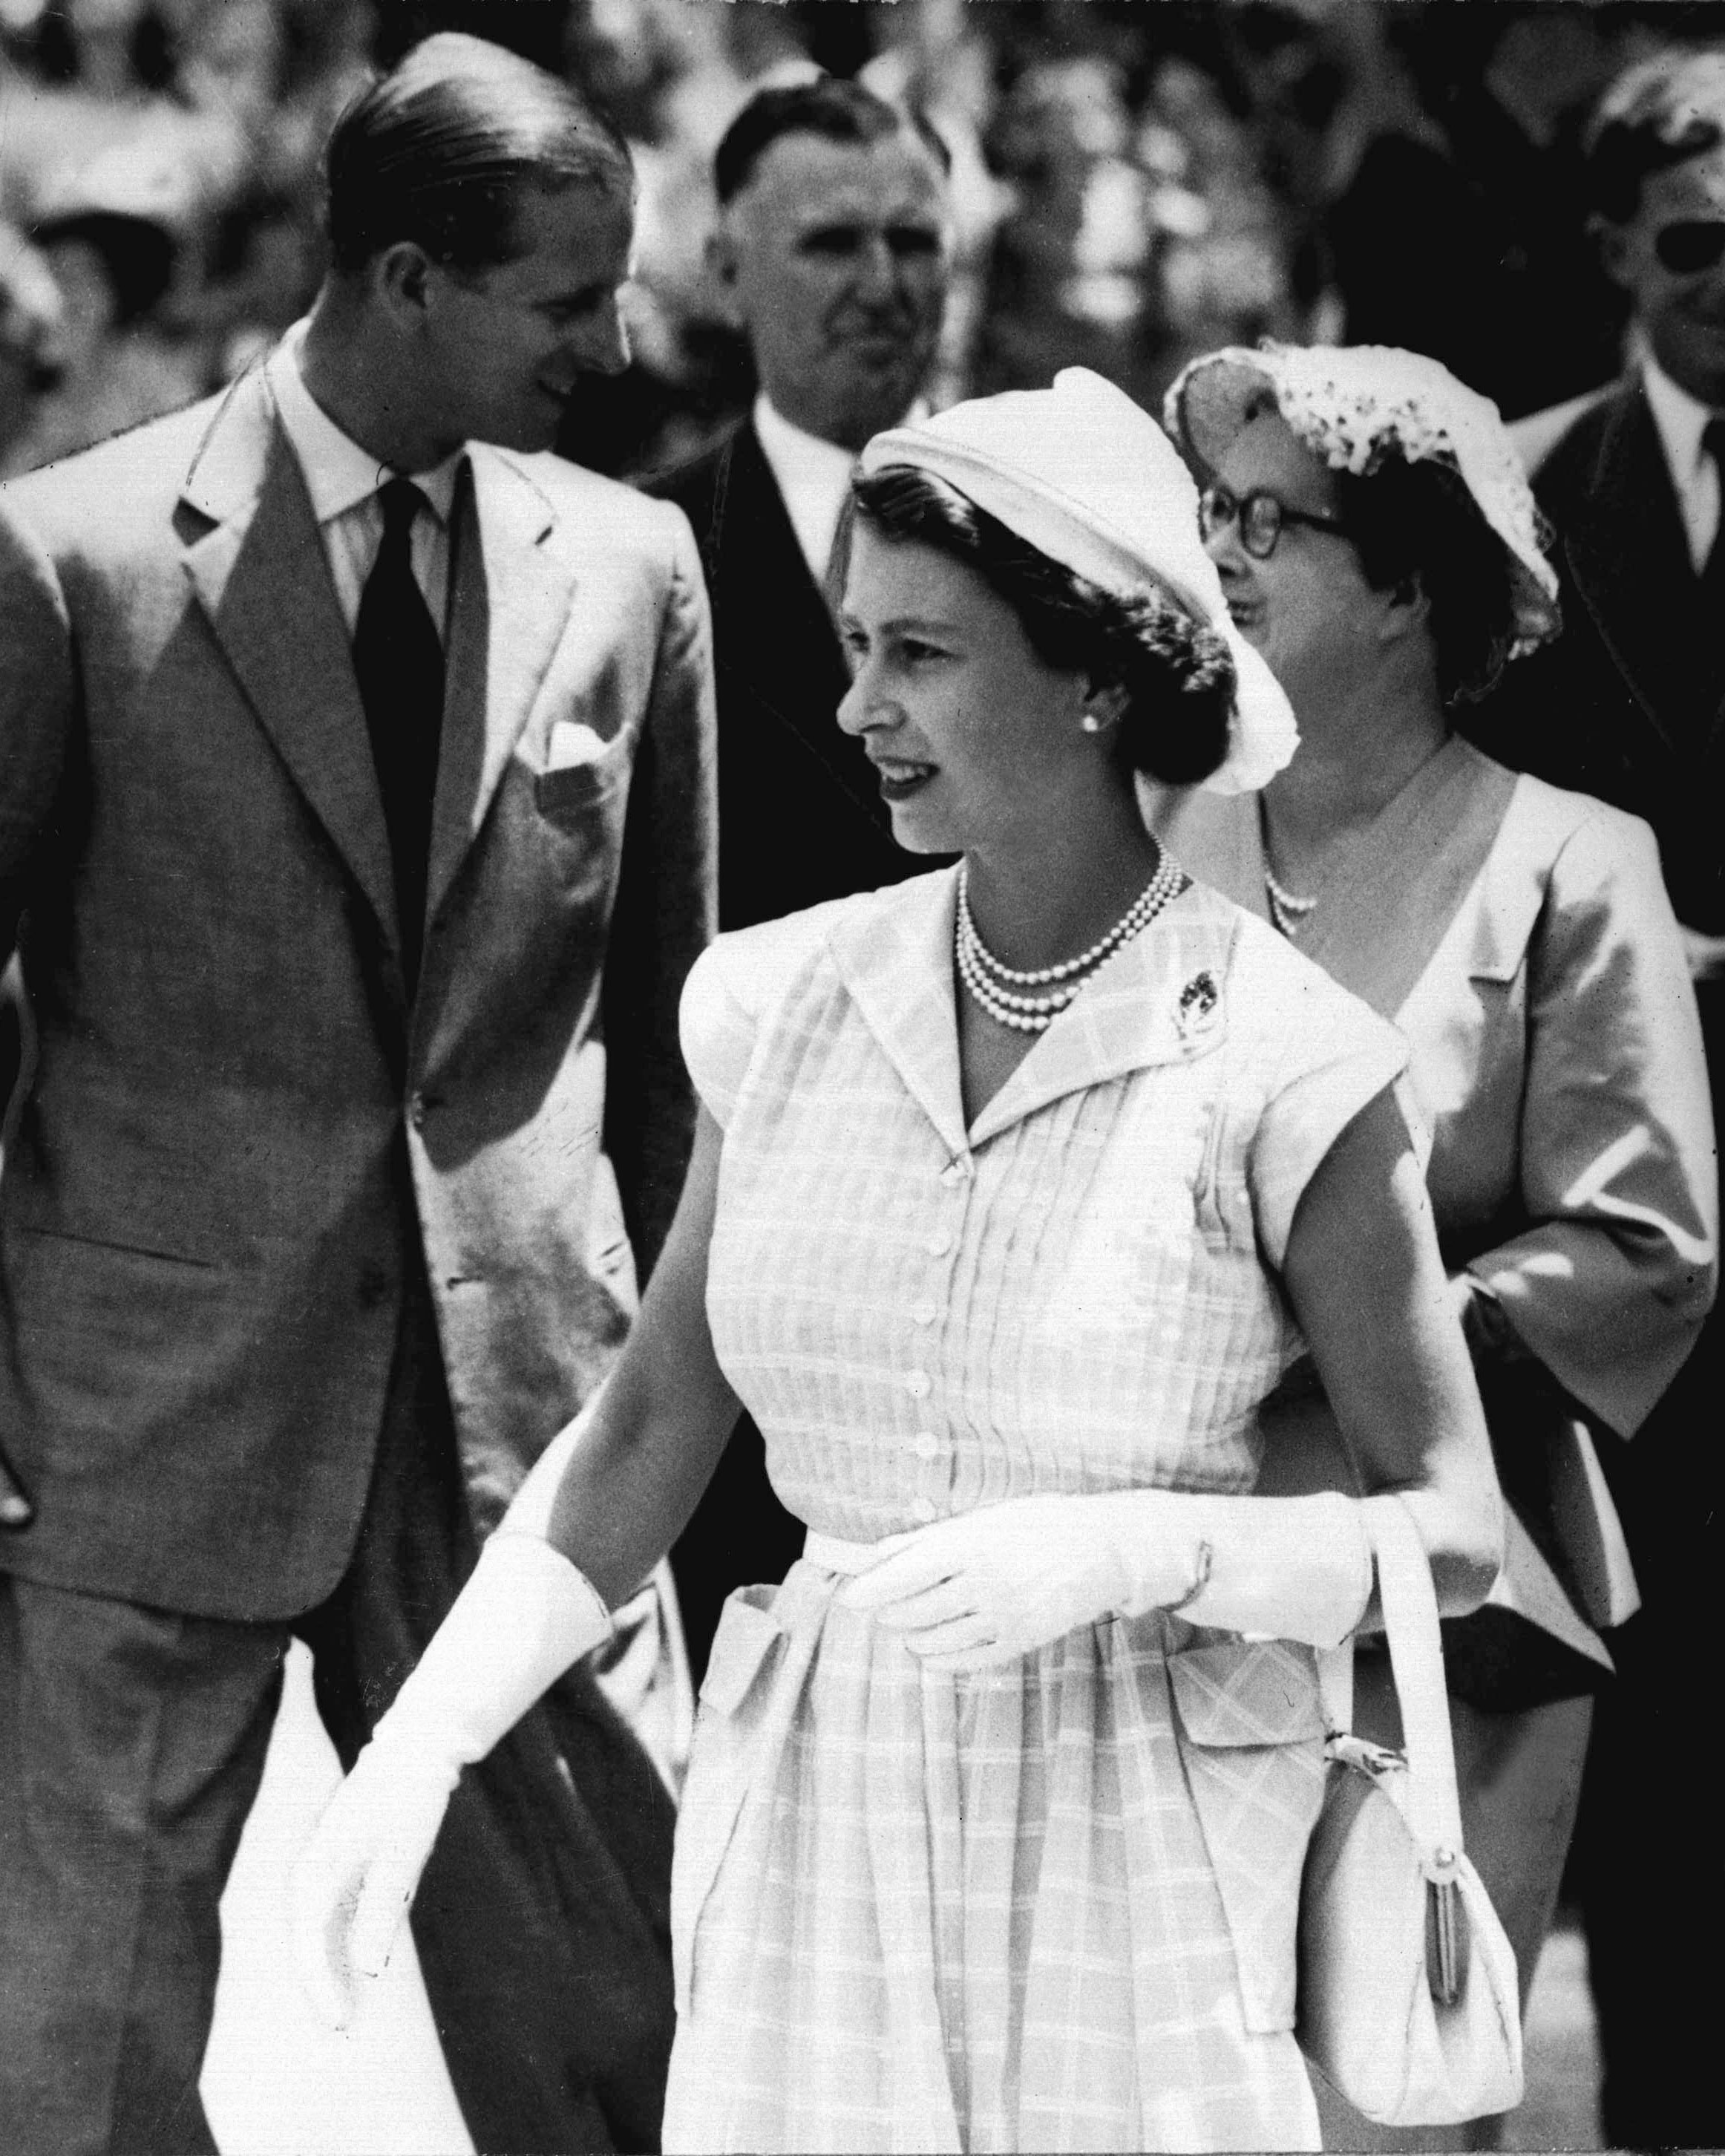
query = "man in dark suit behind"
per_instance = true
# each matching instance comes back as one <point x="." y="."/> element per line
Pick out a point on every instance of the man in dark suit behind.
<point x="356" y="837"/>
<point x="832" y="249"/>
<point x="1629" y="704"/>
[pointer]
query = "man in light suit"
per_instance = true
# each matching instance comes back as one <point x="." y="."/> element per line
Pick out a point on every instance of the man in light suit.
<point x="832" y="250"/>
<point x="1629" y="704"/>
<point x="356" y="837"/>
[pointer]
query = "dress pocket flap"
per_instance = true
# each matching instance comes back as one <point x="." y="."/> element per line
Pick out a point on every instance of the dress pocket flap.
<point x="747" y="1634"/>
<point x="1240" y="1692"/>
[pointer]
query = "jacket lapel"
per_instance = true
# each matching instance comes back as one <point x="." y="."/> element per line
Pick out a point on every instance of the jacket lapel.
<point x="1379" y="923"/>
<point x="775" y="634"/>
<point x="512" y="589"/>
<point x="1631" y="563"/>
<point x="260" y="575"/>
<point x="1380" y="920"/>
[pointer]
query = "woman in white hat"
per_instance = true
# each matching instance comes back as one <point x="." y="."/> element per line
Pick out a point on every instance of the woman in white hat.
<point x="1379" y="546"/>
<point x="1011" y="1182"/>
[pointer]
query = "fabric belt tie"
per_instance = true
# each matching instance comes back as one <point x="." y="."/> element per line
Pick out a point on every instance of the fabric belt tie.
<point x="833" y="1554"/>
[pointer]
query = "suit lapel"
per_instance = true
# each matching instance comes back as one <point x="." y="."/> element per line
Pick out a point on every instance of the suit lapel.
<point x="776" y="634"/>
<point x="261" y="576"/>
<point x="1631" y="563"/>
<point x="512" y="588"/>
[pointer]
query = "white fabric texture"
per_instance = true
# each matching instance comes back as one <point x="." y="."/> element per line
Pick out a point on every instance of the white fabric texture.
<point x="1088" y="477"/>
<point x="1050" y="1906"/>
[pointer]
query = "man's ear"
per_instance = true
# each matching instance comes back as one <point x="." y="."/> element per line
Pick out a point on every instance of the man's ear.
<point x="1613" y="242"/>
<point x="401" y="277"/>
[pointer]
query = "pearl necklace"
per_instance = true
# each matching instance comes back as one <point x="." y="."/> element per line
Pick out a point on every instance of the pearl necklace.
<point x="999" y="989"/>
<point x="1287" y="912"/>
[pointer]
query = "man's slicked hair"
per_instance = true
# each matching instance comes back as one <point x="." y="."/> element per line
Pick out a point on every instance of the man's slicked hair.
<point x="826" y="106"/>
<point x="441" y="149"/>
<point x="1660" y="112"/>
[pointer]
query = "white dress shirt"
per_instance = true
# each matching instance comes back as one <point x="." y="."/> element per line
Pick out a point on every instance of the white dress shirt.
<point x="813" y="478"/>
<point x="343" y="480"/>
<point x="1695" y="477"/>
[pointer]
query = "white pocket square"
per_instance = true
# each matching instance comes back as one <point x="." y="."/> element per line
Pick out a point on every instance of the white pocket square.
<point x="571" y="743"/>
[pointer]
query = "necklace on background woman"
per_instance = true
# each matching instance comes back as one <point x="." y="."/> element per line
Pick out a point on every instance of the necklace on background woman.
<point x="1030" y="1002"/>
<point x="1287" y="910"/>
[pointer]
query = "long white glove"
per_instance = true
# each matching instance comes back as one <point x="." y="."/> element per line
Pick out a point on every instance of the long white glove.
<point x="990" y="1586"/>
<point x="524" y="1616"/>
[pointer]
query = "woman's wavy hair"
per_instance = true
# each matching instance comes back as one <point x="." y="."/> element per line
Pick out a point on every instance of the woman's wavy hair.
<point x="1417" y="521"/>
<point x="1178" y="676"/>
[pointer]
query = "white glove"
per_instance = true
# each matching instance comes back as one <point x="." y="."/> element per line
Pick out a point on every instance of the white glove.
<point x="991" y="1586"/>
<point x="525" y="1615"/>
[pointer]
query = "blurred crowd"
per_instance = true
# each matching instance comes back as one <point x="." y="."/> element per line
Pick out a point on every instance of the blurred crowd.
<point x="1131" y="185"/>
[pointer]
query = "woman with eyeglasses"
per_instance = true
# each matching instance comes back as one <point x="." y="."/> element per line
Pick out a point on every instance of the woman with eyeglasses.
<point x="1019" y="1186"/>
<point x="1378" y="545"/>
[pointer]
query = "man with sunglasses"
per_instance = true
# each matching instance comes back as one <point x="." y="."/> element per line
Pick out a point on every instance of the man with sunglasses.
<point x="1629" y="704"/>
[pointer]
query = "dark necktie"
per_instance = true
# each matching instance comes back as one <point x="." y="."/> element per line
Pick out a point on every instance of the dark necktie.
<point x="398" y="658"/>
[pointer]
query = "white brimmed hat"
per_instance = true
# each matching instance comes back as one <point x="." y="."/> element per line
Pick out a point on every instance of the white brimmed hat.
<point x="1087" y="478"/>
<point x="1355" y="406"/>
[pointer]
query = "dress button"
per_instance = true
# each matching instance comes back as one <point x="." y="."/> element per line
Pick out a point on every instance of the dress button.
<point x="923" y="1509"/>
<point x="917" y="1383"/>
<point x="923" y="1313"/>
<point x="938" y="1244"/>
<point x="925" y="1444"/>
<point x="417" y="1112"/>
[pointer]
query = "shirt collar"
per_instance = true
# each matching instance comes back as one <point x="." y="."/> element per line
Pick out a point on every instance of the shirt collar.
<point x="1680" y="419"/>
<point x="798" y="457"/>
<point x="340" y="476"/>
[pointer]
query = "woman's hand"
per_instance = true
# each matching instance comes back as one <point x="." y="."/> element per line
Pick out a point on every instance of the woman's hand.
<point x="355" y="1880"/>
<point x="995" y="1584"/>
<point x="992" y="1585"/>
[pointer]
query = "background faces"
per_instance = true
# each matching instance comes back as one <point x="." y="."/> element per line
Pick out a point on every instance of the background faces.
<point x="834" y="260"/>
<point x="508" y="345"/>
<point x="1683" y="313"/>
<point x="1309" y="608"/>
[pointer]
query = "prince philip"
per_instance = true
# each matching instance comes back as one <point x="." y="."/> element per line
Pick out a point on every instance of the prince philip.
<point x="355" y="836"/>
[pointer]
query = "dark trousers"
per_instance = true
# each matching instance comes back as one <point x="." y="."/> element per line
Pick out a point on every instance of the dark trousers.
<point x="131" y="1745"/>
<point x="1647" y="1870"/>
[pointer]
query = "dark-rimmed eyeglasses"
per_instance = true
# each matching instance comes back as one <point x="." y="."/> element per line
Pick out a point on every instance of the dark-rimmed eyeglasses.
<point x="1260" y="516"/>
<point x="1686" y="249"/>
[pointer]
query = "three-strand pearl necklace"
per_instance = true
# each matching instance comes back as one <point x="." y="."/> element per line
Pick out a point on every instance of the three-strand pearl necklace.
<point x="1030" y="1002"/>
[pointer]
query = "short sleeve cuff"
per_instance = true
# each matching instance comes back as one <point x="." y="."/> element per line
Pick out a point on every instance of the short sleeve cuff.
<point x="717" y="1034"/>
<point x="1302" y="1122"/>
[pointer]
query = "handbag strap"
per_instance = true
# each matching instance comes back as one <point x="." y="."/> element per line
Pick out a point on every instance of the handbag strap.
<point x="1409" y="1605"/>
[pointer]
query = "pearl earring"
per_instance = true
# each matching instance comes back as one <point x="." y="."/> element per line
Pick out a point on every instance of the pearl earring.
<point x="1091" y="723"/>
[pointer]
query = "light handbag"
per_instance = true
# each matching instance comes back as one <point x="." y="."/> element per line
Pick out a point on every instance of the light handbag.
<point x="1408" y="2000"/>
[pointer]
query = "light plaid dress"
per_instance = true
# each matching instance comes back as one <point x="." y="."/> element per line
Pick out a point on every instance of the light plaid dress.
<point x="1050" y="1907"/>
